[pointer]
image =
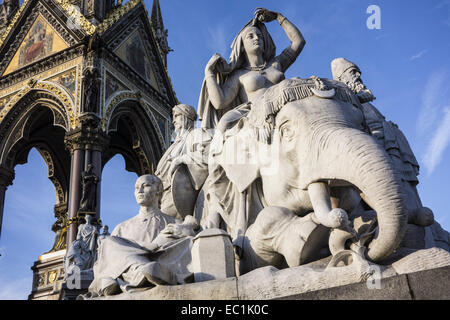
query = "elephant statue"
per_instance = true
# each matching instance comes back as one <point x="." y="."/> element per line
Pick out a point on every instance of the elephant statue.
<point x="303" y="147"/>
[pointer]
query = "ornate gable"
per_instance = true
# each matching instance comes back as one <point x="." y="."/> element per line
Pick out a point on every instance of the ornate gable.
<point x="135" y="53"/>
<point x="41" y="41"/>
<point x="39" y="29"/>
<point x="133" y="29"/>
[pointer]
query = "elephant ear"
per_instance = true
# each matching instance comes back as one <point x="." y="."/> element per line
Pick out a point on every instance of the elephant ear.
<point x="240" y="159"/>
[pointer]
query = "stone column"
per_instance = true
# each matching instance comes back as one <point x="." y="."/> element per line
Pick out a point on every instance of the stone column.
<point x="74" y="193"/>
<point x="6" y="178"/>
<point x="86" y="143"/>
<point x="97" y="163"/>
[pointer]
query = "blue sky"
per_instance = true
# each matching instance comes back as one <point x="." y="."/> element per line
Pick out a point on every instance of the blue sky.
<point x="406" y="64"/>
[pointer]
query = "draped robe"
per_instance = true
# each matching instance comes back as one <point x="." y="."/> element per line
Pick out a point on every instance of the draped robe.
<point x="127" y="255"/>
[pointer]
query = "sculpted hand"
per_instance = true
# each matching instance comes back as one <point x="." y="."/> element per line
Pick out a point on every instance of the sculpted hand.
<point x="212" y="63"/>
<point x="265" y="15"/>
<point x="177" y="231"/>
<point x="175" y="164"/>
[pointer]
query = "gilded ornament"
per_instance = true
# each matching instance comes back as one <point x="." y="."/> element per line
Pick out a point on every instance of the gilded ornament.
<point x="34" y="84"/>
<point x="13" y="22"/>
<point x="52" y="275"/>
<point x="115" y="15"/>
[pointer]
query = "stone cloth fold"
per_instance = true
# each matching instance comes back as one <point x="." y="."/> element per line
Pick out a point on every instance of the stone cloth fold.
<point x="127" y="258"/>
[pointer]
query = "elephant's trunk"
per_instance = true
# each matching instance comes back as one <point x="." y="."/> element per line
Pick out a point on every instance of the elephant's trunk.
<point x="359" y="160"/>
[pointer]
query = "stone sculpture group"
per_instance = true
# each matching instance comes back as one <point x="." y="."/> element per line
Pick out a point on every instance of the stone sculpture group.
<point x="281" y="173"/>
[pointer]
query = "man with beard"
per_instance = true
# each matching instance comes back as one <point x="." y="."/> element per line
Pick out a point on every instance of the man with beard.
<point x="189" y="148"/>
<point x="389" y="136"/>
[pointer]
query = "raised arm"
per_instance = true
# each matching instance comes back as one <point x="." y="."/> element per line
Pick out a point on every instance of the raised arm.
<point x="220" y="96"/>
<point x="290" y="54"/>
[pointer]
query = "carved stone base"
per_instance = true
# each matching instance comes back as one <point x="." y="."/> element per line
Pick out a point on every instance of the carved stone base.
<point x="48" y="274"/>
<point x="212" y="256"/>
<point x="423" y="274"/>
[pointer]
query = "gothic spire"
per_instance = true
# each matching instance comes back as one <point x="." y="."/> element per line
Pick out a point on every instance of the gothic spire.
<point x="161" y="33"/>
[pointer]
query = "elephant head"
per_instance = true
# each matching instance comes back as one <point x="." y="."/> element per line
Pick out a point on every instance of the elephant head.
<point x="301" y="134"/>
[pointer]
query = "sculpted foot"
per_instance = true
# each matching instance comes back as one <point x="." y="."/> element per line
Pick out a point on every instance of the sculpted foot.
<point x="157" y="274"/>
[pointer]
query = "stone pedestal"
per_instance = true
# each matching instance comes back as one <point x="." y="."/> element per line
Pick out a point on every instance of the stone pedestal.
<point x="48" y="275"/>
<point x="213" y="256"/>
<point x="422" y="275"/>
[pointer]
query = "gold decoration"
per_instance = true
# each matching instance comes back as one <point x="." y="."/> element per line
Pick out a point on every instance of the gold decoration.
<point x="52" y="275"/>
<point x="63" y="97"/>
<point x="78" y="94"/>
<point x="46" y="75"/>
<point x="47" y="86"/>
<point x="13" y="22"/>
<point x="70" y="9"/>
<point x="88" y="27"/>
<point x="115" y="15"/>
<point x="75" y="220"/>
<point x="75" y="14"/>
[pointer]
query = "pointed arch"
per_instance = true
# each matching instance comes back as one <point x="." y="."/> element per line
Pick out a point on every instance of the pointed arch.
<point x="121" y="97"/>
<point x="36" y="117"/>
<point x="44" y="90"/>
<point x="134" y="133"/>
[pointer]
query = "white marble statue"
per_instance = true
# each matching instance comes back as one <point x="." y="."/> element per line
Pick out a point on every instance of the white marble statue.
<point x="148" y="249"/>
<point x="301" y="149"/>
<point x="302" y="174"/>
<point x="389" y="136"/>
<point x="253" y="67"/>
<point x="189" y="149"/>
<point x="82" y="252"/>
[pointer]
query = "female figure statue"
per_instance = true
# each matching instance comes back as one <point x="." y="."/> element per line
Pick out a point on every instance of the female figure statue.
<point x="252" y="69"/>
<point x="230" y="91"/>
